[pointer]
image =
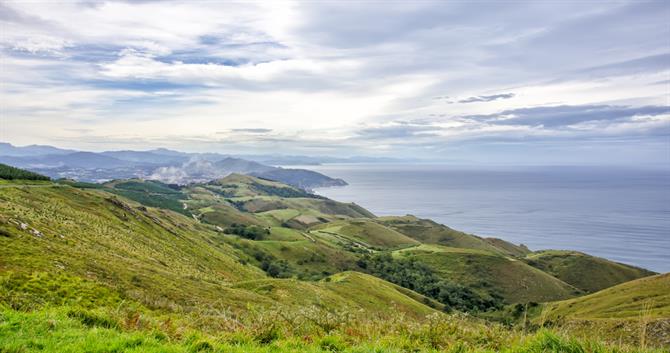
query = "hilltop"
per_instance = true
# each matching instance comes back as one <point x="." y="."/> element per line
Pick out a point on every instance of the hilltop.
<point x="270" y="263"/>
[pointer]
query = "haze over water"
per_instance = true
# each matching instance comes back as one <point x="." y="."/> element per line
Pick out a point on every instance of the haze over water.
<point x="620" y="214"/>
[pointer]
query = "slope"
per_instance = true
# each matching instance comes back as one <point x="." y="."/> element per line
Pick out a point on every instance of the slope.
<point x="491" y="273"/>
<point x="429" y="232"/>
<point x="586" y="272"/>
<point x="364" y="233"/>
<point x="648" y="296"/>
<point x="64" y="245"/>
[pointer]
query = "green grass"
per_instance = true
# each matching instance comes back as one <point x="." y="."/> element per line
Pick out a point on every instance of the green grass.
<point x="648" y="296"/>
<point x="67" y="330"/>
<point x="429" y="232"/>
<point x="588" y="273"/>
<point x="367" y="233"/>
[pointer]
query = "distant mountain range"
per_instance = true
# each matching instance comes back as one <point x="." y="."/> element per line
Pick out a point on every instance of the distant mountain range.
<point x="160" y="164"/>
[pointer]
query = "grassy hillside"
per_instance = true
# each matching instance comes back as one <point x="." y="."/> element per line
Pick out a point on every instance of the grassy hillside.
<point x="586" y="272"/>
<point x="158" y="258"/>
<point x="635" y="312"/>
<point x="90" y="267"/>
<point x="346" y="291"/>
<point x="246" y="199"/>
<point x="489" y="272"/>
<point x="649" y="296"/>
<point x="430" y="232"/>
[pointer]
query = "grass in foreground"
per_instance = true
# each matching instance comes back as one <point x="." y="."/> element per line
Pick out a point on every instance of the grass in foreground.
<point x="73" y="330"/>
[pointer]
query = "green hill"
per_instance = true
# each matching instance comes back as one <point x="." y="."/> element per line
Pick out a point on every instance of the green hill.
<point x="364" y="233"/>
<point x="429" y="232"/>
<point x="135" y="265"/>
<point x="157" y="257"/>
<point x="491" y="273"/>
<point x="635" y="312"/>
<point x="350" y="291"/>
<point x="586" y="272"/>
<point x="648" y="296"/>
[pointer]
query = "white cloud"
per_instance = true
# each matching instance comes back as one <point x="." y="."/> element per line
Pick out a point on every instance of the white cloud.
<point x="318" y="73"/>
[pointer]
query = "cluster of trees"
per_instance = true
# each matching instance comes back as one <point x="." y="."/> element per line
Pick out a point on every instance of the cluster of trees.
<point x="11" y="173"/>
<point x="412" y="274"/>
<point x="252" y="232"/>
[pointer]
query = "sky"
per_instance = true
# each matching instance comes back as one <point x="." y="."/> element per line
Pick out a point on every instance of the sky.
<point x="540" y="82"/>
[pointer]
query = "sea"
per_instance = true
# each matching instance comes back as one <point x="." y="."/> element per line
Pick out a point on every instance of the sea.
<point x="622" y="214"/>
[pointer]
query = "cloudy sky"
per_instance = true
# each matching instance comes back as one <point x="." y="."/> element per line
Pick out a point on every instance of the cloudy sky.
<point x="507" y="82"/>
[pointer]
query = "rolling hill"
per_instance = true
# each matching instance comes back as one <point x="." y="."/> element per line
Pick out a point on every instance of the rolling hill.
<point x="586" y="272"/>
<point x="160" y="265"/>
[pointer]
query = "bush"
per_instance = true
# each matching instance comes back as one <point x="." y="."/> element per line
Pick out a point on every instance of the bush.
<point x="252" y="232"/>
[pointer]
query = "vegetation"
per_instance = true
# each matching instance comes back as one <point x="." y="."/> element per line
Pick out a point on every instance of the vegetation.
<point x="648" y="296"/>
<point x="366" y="233"/>
<point x="588" y="273"/>
<point x="414" y="275"/>
<point x="309" y="331"/>
<point x="151" y="193"/>
<point x="85" y="268"/>
<point x="489" y="272"/>
<point x="11" y="173"/>
<point x="252" y="232"/>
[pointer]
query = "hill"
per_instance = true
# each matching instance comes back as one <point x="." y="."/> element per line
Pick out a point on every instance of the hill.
<point x="586" y="272"/>
<point x="429" y="232"/>
<point x="648" y="296"/>
<point x="11" y="173"/>
<point x="248" y="264"/>
<point x="491" y="273"/>
<point x="635" y="312"/>
<point x="364" y="233"/>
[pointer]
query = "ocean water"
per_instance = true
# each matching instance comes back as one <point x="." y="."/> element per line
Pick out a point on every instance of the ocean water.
<point x="616" y="213"/>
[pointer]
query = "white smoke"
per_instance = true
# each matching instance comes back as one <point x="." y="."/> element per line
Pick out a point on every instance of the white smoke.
<point x="194" y="170"/>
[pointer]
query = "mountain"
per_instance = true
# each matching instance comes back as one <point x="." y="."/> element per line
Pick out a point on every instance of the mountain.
<point x="146" y="157"/>
<point x="7" y="149"/>
<point x="248" y="264"/>
<point x="85" y="160"/>
<point x="160" y="164"/>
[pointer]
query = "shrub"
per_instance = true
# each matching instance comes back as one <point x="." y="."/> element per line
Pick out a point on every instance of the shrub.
<point x="252" y="232"/>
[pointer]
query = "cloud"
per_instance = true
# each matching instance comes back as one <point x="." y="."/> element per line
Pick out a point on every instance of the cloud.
<point x="487" y="98"/>
<point x="327" y="76"/>
<point x="565" y="115"/>
<point x="252" y="130"/>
